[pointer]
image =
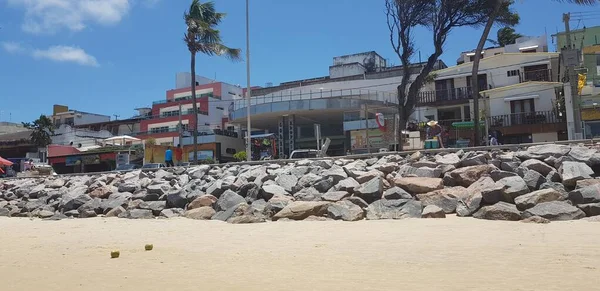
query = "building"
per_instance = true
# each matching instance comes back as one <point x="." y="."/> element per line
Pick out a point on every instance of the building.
<point x="130" y="126"/>
<point x="61" y="114"/>
<point x="519" y="92"/>
<point x="587" y="40"/>
<point x="343" y="104"/>
<point x="525" y="44"/>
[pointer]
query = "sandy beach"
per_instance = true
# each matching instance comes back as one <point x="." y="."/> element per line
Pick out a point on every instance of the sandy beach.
<point x="449" y="254"/>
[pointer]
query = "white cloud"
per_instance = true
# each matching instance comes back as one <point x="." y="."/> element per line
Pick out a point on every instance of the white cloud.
<point x="51" y="16"/>
<point x="12" y="47"/>
<point x="66" y="54"/>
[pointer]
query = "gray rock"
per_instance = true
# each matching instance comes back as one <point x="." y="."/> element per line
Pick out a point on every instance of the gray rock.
<point x="155" y="206"/>
<point x="499" y="211"/>
<point x="137" y="214"/>
<point x="258" y="206"/>
<point x="555" y="210"/>
<point x="335" y="196"/>
<point x="198" y="172"/>
<point x="56" y="217"/>
<point x="87" y="214"/>
<point x="346" y="211"/>
<point x="587" y="182"/>
<point x="394" y="209"/>
<point x="559" y="161"/>
<point x="553" y="176"/>
<point x="229" y="199"/>
<point x="368" y="176"/>
<point x="176" y="199"/>
<point x="268" y="191"/>
<point x="538" y="166"/>
<point x="448" y="159"/>
<point x="299" y="210"/>
<point x="348" y="184"/>
<point x="205" y="200"/>
<point x="72" y="201"/>
<point x="308" y="180"/>
<point x="513" y="187"/>
<point x="469" y="175"/>
<point x="572" y="172"/>
<point x="172" y="212"/>
<point x="509" y="166"/>
<point x="499" y="174"/>
<point x="325" y="164"/>
<point x="396" y="193"/>
<point x="536" y="219"/>
<point x="419" y="185"/>
<point x="158" y="189"/>
<point x="128" y="187"/>
<point x="467" y="205"/>
<point x="337" y="173"/>
<point x="202" y="213"/>
<point x="446" y="199"/>
<point x="531" y="199"/>
<point x="433" y="211"/>
<point x="324" y="185"/>
<point x="275" y="205"/>
<point x="559" y="187"/>
<point x="34" y="204"/>
<point x="115" y="212"/>
<point x="582" y="154"/>
<point x="288" y="182"/>
<point x="548" y="150"/>
<point x="474" y="160"/>
<point x="358" y="201"/>
<point x="371" y="190"/>
<point x="45" y="214"/>
<point x="448" y="180"/>
<point x="589" y="194"/>
<point x="4" y="212"/>
<point x="533" y="180"/>
<point x="308" y="194"/>
<point x="94" y="205"/>
<point x="428" y="172"/>
<point x="299" y="171"/>
<point x="590" y="209"/>
<point x="246" y="219"/>
<point x="216" y="188"/>
<point x="425" y="164"/>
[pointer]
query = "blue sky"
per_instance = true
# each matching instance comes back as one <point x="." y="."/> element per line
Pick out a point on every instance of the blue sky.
<point x="123" y="54"/>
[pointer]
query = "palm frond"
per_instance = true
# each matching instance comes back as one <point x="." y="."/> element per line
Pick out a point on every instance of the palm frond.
<point x="579" y="2"/>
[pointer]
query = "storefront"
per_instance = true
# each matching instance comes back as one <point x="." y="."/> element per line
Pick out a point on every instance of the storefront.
<point x="83" y="163"/>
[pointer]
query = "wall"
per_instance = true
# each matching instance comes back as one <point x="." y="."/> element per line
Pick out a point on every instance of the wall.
<point x="184" y="80"/>
<point x="361" y="58"/>
<point x="543" y="95"/>
<point x="65" y="134"/>
<point x="344" y="70"/>
<point x="87" y="118"/>
<point x="544" y="137"/>
<point x="590" y="36"/>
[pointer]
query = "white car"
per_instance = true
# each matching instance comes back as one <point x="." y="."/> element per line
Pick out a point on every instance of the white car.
<point x="304" y="154"/>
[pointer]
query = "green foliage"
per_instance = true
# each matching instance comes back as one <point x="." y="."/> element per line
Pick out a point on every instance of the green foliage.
<point x="240" y="156"/>
<point x="505" y="36"/>
<point x="42" y="131"/>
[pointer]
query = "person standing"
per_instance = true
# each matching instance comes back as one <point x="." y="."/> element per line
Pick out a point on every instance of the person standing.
<point x="169" y="157"/>
<point x="179" y="155"/>
<point x="435" y="131"/>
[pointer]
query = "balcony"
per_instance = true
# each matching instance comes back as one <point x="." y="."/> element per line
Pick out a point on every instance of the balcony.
<point x="185" y="98"/>
<point x="455" y="95"/>
<point x="527" y="118"/>
<point x="536" y="76"/>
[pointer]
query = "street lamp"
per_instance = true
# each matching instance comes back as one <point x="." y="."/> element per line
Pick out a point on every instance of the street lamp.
<point x="248" y="88"/>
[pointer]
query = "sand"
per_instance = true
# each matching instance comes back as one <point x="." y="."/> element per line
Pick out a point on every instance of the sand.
<point x="449" y="254"/>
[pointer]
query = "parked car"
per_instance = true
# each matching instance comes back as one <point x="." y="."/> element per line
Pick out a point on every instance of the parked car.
<point x="153" y="166"/>
<point x="127" y="167"/>
<point x="304" y="154"/>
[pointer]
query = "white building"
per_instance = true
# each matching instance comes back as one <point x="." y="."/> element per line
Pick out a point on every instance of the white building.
<point x="63" y="115"/>
<point x="525" y="44"/>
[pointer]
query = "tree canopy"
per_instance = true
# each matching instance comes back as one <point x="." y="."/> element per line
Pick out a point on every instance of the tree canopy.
<point x="42" y="131"/>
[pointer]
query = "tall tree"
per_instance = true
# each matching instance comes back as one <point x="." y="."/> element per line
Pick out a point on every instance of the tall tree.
<point x="438" y="16"/>
<point x="505" y="36"/>
<point x="42" y="131"/>
<point x="202" y="36"/>
<point x="495" y="14"/>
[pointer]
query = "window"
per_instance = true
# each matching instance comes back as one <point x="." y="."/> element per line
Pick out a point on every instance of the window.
<point x="230" y="151"/>
<point x="598" y="60"/>
<point x="159" y="129"/>
<point x="512" y="73"/>
<point x="170" y="113"/>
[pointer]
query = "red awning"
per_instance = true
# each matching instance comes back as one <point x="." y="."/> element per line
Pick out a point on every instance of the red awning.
<point x="5" y="162"/>
<point x="61" y="151"/>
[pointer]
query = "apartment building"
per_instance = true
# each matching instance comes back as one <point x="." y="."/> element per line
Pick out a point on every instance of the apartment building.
<point x="518" y="96"/>
<point x="62" y="114"/>
<point x="524" y="44"/>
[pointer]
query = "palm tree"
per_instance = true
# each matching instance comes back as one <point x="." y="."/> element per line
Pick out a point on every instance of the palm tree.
<point x="505" y="36"/>
<point x="202" y="36"/>
<point x="494" y="14"/>
<point x="42" y="131"/>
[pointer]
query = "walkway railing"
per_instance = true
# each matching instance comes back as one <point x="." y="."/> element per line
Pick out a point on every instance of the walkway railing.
<point x="537" y="117"/>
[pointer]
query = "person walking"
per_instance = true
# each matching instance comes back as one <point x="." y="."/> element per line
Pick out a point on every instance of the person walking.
<point x="435" y="131"/>
<point x="169" y="157"/>
<point x="179" y="155"/>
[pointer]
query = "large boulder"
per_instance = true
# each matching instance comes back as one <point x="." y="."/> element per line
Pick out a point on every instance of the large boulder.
<point x="205" y="200"/>
<point x="587" y="182"/>
<point x="513" y="187"/>
<point x="394" y="209"/>
<point x="555" y="210"/>
<point x="432" y="211"/>
<point x="534" y="198"/>
<point x="559" y="187"/>
<point x="396" y="193"/>
<point x="288" y="182"/>
<point x="469" y="175"/>
<point x="474" y="160"/>
<point x="499" y="211"/>
<point x="229" y="199"/>
<point x="335" y="196"/>
<point x="467" y="205"/>
<point x="346" y="211"/>
<point x="419" y="185"/>
<point x="448" y="159"/>
<point x="591" y="209"/>
<point x="538" y="166"/>
<point x="533" y="180"/>
<point x="589" y="194"/>
<point x="299" y="210"/>
<point x="348" y="184"/>
<point x="446" y="199"/>
<point x="572" y="172"/>
<point x="202" y="213"/>
<point x="176" y="199"/>
<point x="137" y="214"/>
<point x="276" y="204"/>
<point x="268" y="191"/>
<point x="549" y="150"/>
<point x="499" y="174"/>
<point x="371" y="190"/>
<point x="582" y="154"/>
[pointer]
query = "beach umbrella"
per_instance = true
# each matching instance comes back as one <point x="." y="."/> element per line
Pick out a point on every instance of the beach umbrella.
<point x="5" y="162"/>
<point x="121" y="140"/>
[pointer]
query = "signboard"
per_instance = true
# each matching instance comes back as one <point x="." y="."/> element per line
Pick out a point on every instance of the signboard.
<point x="202" y="155"/>
<point x="122" y="159"/>
<point x="78" y="160"/>
<point x="380" y="121"/>
<point x="72" y="160"/>
<point x="358" y="139"/>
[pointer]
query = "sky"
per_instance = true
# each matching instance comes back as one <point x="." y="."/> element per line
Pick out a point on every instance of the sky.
<point x="111" y="56"/>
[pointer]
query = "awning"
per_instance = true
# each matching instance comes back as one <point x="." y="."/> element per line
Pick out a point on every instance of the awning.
<point x="5" y="162"/>
<point x="465" y="124"/>
<point x="508" y="99"/>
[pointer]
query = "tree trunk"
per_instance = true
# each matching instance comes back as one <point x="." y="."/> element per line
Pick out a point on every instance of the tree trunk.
<point x="195" y="107"/>
<point x="401" y="117"/>
<point x="475" y="71"/>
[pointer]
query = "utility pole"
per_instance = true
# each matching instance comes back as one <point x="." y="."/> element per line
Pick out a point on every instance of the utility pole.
<point x="248" y="88"/>
<point x="573" y="78"/>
